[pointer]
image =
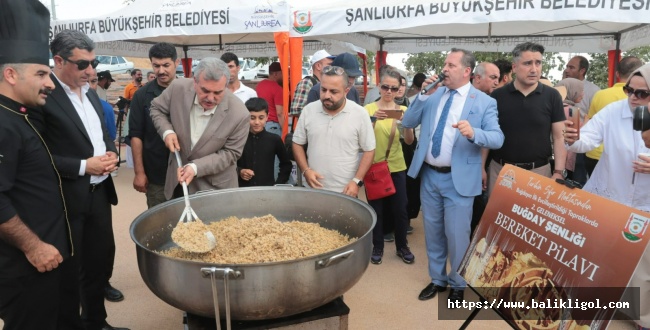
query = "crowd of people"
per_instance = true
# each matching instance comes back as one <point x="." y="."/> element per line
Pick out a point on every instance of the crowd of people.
<point x="444" y="150"/>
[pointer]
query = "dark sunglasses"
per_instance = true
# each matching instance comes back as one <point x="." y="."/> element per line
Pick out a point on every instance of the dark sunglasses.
<point x="83" y="64"/>
<point x="639" y="93"/>
<point x="386" y="88"/>
<point x="333" y="69"/>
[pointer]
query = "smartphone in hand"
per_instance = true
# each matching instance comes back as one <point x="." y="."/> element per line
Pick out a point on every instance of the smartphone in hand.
<point x="394" y="114"/>
<point x="574" y="116"/>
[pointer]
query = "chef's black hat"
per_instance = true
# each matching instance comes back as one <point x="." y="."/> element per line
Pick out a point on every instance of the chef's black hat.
<point x="24" y="32"/>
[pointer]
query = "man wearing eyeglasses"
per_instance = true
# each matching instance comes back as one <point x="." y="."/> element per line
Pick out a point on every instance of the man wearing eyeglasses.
<point x="350" y="64"/>
<point x="84" y="155"/>
<point x="623" y="171"/>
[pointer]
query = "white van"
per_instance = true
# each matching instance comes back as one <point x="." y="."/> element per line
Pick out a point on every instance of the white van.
<point x="247" y="70"/>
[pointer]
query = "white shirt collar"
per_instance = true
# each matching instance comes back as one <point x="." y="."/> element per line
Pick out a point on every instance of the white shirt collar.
<point x="67" y="89"/>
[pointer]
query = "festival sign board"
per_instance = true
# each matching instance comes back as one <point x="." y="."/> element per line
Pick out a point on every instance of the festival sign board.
<point x="559" y="251"/>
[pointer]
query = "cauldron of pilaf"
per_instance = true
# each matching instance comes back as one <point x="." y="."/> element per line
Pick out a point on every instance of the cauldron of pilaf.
<point x="262" y="240"/>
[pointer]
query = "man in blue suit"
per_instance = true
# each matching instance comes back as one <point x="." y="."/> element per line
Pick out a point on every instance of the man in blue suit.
<point x="457" y="121"/>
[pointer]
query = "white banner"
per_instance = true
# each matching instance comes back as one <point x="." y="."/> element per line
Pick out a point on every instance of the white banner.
<point x="383" y="15"/>
<point x="636" y="38"/>
<point x="148" y="19"/>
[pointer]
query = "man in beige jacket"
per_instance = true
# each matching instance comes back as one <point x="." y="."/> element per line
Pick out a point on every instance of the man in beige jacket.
<point x="208" y="125"/>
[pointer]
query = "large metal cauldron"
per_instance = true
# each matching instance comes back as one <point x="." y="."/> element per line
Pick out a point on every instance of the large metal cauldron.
<point x="265" y="290"/>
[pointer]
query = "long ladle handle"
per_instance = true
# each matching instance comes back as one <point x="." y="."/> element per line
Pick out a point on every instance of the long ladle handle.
<point x="186" y="194"/>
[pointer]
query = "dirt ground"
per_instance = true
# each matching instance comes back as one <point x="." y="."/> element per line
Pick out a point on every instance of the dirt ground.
<point x="140" y="63"/>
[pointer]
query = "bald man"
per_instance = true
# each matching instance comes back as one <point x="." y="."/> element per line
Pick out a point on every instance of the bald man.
<point x="486" y="77"/>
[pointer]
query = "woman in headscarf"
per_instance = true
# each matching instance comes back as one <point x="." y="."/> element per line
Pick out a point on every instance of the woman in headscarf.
<point x="572" y="91"/>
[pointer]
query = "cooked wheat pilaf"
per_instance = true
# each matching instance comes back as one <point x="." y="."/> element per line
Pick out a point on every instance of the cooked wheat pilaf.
<point x="191" y="236"/>
<point x="264" y="239"/>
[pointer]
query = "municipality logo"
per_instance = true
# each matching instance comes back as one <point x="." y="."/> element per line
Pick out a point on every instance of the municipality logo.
<point x="635" y="227"/>
<point x="508" y="178"/>
<point x="302" y="21"/>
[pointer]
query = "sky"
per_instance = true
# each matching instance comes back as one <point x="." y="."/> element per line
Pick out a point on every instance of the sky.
<point x="73" y="9"/>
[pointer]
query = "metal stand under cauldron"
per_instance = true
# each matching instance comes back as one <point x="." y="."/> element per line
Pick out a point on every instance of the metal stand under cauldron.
<point x="333" y="315"/>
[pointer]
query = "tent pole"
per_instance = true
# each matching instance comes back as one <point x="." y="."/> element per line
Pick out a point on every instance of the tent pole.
<point x="613" y="60"/>
<point x="220" y="43"/>
<point x="618" y="49"/>
<point x="187" y="66"/>
<point x="380" y="59"/>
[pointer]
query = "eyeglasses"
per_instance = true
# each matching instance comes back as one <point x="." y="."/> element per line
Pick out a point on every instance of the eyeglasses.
<point x="638" y="93"/>
<point x="333" y="69"/>
<point x="83" y="64"/>
<point x="386" y="88"/>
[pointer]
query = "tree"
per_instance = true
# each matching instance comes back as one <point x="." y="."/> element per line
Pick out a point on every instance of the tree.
<point x="599" y="64"/>
<point x="427" y="62"/>
<point x="370" y="61"/>
<point x="265" y="60"/>
<point x="598" y="70"/>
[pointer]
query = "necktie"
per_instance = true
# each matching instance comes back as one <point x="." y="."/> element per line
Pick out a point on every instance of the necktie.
<point x="440" y="128"/>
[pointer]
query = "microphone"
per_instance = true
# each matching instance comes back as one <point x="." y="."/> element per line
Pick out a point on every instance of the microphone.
<point x="441" y="77"/>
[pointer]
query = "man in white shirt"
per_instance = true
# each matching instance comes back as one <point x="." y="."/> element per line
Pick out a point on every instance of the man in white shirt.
<point x="336" y="131"/>
<point x="84" y="155"/>
<point x="240" y="90"/>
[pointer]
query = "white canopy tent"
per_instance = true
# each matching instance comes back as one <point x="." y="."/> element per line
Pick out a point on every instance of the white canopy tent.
<point x="479" y="25"/>
<point x="199" y="28"/>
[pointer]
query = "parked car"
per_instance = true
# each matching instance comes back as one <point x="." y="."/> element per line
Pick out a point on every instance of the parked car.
<point x="115" y="64"/>
<point x="247" y="70"/>
<point x="179" y="69"/>
<point x="263" y="71"/>
<point x="359" y="81"/>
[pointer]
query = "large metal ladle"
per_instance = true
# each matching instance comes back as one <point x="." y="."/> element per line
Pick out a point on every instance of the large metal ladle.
<point x="188" y="216"/>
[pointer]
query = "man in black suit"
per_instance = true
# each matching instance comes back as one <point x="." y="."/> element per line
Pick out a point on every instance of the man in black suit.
<point x="73" y="128"/>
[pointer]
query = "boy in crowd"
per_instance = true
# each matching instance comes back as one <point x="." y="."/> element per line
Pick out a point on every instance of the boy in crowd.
<point x="255" y="167"/>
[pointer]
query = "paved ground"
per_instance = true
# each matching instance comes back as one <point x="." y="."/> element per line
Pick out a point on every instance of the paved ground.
<point x="384" y="298"/>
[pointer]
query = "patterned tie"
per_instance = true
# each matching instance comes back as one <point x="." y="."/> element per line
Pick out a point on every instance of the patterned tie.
<point x="440" y="129"/>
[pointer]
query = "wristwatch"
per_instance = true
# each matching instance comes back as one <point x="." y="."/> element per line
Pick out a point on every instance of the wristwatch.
<point x="358" y="182"/>
<point x="563" y="173"/>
